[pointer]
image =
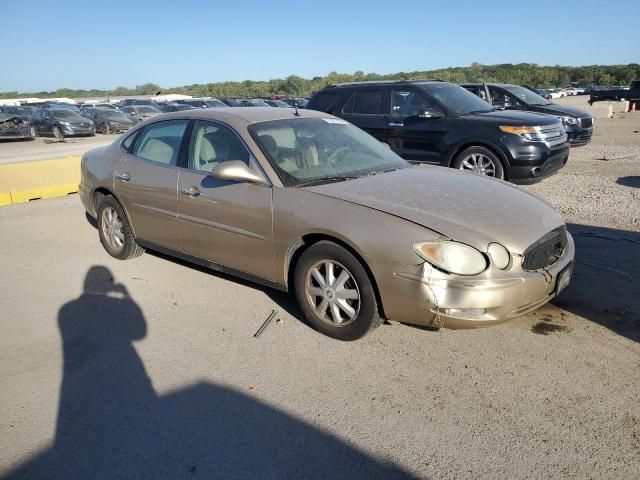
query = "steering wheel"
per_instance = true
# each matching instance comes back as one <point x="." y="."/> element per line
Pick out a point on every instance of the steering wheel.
<point x="338" y="155"/>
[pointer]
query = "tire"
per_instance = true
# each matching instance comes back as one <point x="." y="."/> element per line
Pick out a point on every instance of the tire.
<point x="57" y="133"/>
<point x="104" y="129"/>
<point x="114" y="230"/>
<point x="33" y="132"/>
<point x="486" y="162"/>
<point x="358" y="307"/>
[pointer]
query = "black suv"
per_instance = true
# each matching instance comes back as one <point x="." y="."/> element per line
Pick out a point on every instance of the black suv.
<point x="577" y="123"/>
<point x="444" y="124"/>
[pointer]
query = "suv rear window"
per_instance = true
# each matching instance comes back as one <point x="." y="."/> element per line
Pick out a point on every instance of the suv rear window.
<point x="367" y="102"/>
<point x="322" y="101"/>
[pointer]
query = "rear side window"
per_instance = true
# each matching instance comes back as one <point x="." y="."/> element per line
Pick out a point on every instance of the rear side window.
<point x="323" y="101"/>
<point x="367" y="102"/>
<point x="160" y="142"/>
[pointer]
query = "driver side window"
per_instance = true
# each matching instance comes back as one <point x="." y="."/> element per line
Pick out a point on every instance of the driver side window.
<point x="212" y="144"/>
<point x="408" y="103"/>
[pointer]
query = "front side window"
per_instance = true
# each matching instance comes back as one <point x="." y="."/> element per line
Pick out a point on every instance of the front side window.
<point x="499" y="97"/>
<point x="212" y="144"/>
<point x="160" y="142"/>
<point x="456" y="99"/>
<point x="409" y="103"/>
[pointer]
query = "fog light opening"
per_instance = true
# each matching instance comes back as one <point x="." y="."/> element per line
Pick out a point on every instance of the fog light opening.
<point x="536" y="171"/>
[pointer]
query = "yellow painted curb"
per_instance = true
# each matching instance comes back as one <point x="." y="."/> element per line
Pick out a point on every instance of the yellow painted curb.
<point x="25" y="181"/>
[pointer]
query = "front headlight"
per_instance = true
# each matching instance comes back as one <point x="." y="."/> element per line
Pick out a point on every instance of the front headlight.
<point x="64" y="123"/>
<point x="452" y="257"/>
<point x="531" y="134"/>
<point x="568" y="120"/>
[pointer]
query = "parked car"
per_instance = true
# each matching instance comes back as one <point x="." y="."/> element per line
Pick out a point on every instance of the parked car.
<point x="296" y="101"/>
<point x="22" y="112"/>
<point x="277" y="103"/>
<point x="174" y="107"/>
<point x="98" y="105"/>
<point x="255" y="102"/>
<point x="232" y="102"/>
<point x="108" y="121"/>
<point x="12" y="127"/>
<point x="139" y="113"/>
<point x="577" y="123"/>
<point x="127" y="102"/>
<point x="311" y="204"/>
<point x="443" y="124"/>
<point x="608" y="93"/>
<point x="60" y="105"/>
<point x="203" y="103"/>
<point x="61" y="123"/>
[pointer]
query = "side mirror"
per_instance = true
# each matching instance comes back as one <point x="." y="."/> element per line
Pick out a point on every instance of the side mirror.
<point x="429" y="113"/>
<point x="237" y="171"/>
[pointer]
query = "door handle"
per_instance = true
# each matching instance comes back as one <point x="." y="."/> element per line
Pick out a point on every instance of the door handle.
<point x="192" y="192"/>
<point x="125" y="177"/>
<point x="396" y="124"/>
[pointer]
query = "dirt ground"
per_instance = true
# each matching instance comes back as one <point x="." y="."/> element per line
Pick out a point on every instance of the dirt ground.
<point x="149" y="369"/>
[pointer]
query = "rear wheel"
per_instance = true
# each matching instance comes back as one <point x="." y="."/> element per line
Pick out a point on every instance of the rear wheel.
<point x="115" y="232"/>
<point x="57" y="133"/>
<point x="481" y="161"/>
<point x="33" y="132"/>
<point x="335" y="292"/>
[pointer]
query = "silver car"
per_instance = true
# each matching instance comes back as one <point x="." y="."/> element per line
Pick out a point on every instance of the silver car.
<point x="308" y="203"/>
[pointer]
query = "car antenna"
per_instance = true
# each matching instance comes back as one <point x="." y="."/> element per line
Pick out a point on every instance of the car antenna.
<point x="296" y="113"/>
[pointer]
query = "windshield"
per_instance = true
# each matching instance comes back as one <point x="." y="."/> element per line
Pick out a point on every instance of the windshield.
<point x="147" y="110"/>
<point x="305" y="150"/>
<point x="110" y="113"/>
<point x="66" y="114"/>
<point x="458" y="100"/>
<point x="526" y="95"/>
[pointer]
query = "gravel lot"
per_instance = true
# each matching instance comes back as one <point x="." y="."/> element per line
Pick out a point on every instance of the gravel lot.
<point x="149" y="369"/>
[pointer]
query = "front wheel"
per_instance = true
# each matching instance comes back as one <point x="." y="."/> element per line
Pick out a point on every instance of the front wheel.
<point x="335" y="292"/>
<point x="105" y="130"/>
<point x="481" y="161"/>
<point x="57" y="133"/>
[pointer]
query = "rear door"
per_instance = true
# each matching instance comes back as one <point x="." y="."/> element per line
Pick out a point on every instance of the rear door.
<point x="367" y="109"/>
<point x="146" y="182"/>
<point x="412" y="137"/>
<point x="226" y="222"/>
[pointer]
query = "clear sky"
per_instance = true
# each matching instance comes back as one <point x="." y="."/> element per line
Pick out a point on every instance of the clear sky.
<point x="104" y="44"/>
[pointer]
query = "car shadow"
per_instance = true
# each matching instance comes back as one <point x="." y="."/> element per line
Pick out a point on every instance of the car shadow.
<point x="630" y="181"/>
<point x="112" y="424"/>
<point x="605" y="288"/>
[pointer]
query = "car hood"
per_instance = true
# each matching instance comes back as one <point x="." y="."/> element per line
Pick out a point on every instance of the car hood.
<point x="461" y="206"/>
<point x="561" y="110"/>
<point x="506" y="117"/>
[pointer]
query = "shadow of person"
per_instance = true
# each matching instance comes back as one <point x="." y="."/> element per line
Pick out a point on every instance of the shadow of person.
<point x="112" y="424"/>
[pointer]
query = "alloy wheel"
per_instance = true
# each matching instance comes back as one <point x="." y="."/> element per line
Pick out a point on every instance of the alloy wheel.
<point x="112" y="228"/>
<point x="332" y="292"/>
<point x="480" y="164"/>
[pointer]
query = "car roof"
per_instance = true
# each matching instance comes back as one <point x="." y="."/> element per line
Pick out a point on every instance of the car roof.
<point x="240" y="117"/>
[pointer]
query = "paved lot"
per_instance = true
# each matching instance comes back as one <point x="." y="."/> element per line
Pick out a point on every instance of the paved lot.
<point x="149" y="369"/>
<point x="45" y="148"/>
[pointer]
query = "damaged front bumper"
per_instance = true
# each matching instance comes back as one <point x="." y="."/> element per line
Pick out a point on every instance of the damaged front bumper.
<point x="426" y="296"/>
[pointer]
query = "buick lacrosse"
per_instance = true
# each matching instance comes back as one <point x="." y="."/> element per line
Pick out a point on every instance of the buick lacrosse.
<point x="308" y="203"/>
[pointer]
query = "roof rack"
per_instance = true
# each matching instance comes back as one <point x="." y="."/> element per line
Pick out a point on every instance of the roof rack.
<point x="382" y="82"/>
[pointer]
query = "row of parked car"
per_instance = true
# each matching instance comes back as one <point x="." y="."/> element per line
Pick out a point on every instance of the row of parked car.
<point x="63" y="119"/>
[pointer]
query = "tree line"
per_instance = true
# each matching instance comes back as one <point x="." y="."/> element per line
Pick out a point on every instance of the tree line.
<point x="529" y="74"/>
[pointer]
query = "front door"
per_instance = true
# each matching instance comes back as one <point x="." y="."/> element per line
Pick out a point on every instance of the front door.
<point x="225" y="222"/>
<point x="146" y="182"/>
<point x="411" y="136"/>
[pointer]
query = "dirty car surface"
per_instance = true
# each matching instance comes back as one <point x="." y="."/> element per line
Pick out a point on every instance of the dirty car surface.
<point x="307" y="202"/>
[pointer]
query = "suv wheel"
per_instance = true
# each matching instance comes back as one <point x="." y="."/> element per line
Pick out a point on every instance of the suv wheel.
<point x="335" y="293"/>
<point x="57" y="133"/>
<point x="105" y="130"/>
<point x="479" y="160"/>
<point x="114" y="230"/>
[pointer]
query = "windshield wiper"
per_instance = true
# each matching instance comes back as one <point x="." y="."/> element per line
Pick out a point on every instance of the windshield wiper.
<point x="322" y="180"/>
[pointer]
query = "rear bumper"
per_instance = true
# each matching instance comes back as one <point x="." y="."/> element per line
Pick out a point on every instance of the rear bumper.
<point x="425" y="296"/>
